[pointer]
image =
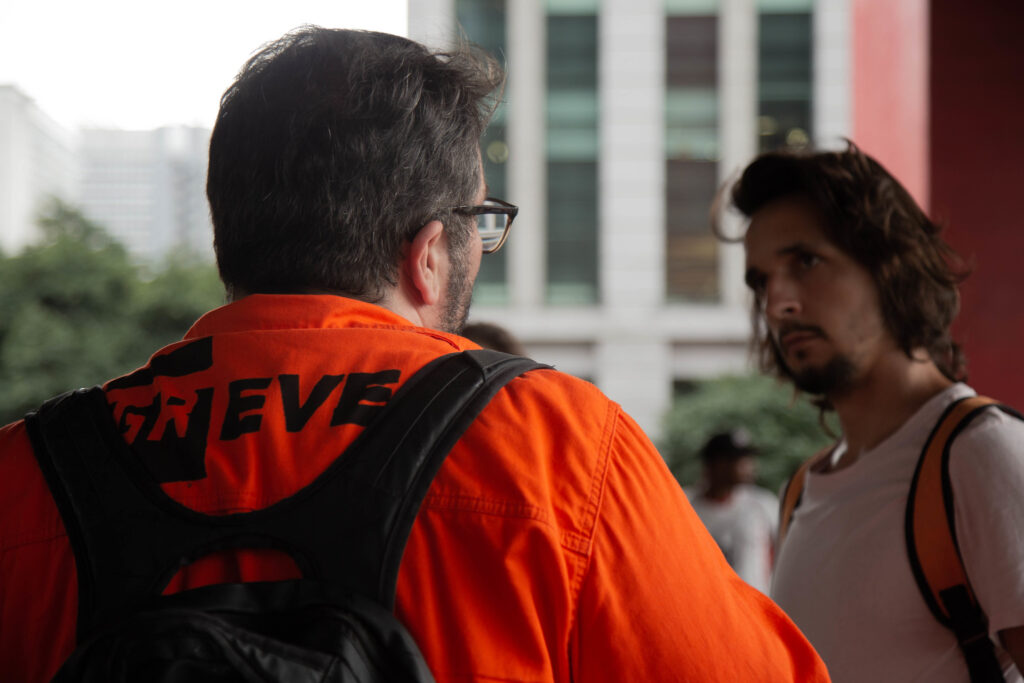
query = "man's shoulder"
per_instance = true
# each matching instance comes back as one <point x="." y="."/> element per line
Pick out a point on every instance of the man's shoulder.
<point x="993" y="436"/>
<point x="764" y="501"/>
<point x="543" y="442"/>
<point x="990" y="428"/>
<point x="547" y="400"/>
<point x="15" y="451"/>
<point x="760" y="494"/>
<point x="27" y="512"/>
<point x="13" y="439"/>
<point x="544" y="381"/>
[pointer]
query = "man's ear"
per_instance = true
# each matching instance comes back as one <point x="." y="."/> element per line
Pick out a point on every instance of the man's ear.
<point x="423" y="262"/>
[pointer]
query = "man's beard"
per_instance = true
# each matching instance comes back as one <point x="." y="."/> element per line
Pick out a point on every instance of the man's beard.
<point x="459" y="293"/>
<point x="834" y="378"/>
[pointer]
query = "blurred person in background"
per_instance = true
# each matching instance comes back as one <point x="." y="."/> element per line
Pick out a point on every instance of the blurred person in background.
<point x="741" y="517"/>
<point x="854" y="295"/>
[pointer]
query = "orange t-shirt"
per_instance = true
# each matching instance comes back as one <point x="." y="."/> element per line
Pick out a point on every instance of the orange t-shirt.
<point x="553" y="545"/>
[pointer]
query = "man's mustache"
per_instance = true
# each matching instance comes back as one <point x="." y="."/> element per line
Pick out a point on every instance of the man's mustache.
<point x="792" y="327"/>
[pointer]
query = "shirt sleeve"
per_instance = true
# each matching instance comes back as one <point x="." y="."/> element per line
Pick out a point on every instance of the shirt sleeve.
<point x="986" y="469"/>
<point x="658" y="600"/>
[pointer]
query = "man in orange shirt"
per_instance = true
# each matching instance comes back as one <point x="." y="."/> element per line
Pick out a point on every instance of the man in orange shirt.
<point x="350" y="215"/>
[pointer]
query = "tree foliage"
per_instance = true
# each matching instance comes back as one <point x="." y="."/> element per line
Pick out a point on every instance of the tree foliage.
<point x="785" y="428"/>
<point x="75" y="310"/>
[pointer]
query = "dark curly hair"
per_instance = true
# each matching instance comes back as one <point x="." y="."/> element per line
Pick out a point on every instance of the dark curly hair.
<point x="333" y="147"/>
<point x="873" y="219"/>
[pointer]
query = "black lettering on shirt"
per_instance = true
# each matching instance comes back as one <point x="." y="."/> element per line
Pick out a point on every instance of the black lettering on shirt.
<point x="170" y="427"/>
<point x="174" y="452"/>
<point x="364" y="396"/>
<point x="174" y="456"/>
<point x="235" y="423"/>
<point x="297" y="414"/>
<point x="177" y="457"/>
<point x="149" y="416"/>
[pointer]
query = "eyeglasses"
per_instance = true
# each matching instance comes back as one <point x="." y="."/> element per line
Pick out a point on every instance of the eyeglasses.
<point x="494" y="218"/>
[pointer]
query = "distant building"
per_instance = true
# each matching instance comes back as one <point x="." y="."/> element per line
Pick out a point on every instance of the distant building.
<point x="147" y="188"/>
<point x="37" y="161"/>
<point x="621" y="118"/>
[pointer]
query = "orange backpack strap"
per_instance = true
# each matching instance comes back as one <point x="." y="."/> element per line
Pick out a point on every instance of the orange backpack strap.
<point x="794" y="491"/>
<point x="932" y="545"/>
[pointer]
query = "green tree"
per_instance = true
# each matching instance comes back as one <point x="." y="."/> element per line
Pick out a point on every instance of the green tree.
<point x="169" y="301"/>
<point x="76" y="311"/>
<point x="785" y="428"/>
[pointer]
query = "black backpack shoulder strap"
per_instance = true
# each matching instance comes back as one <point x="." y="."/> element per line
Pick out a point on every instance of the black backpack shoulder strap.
<point x="932" y="546"/>
<point x="129" y="538"/>
<point x="444" y="398"/>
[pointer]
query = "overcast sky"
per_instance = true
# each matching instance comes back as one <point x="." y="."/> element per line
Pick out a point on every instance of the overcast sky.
<point x="138" y="65"/>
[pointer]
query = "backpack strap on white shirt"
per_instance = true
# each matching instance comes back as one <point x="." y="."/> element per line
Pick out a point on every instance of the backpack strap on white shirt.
<point x="932" y="546"/>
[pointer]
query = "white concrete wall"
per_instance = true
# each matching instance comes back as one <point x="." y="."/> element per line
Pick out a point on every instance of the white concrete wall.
<point x="737" y="125"/>
<point x="632" y="356"/>
<point x="13" y="185"/>
<point x="432" y="22"/>
<point x="527" y="186"/>
<point x="833" y="77"/>
<point x="36" y="162"/>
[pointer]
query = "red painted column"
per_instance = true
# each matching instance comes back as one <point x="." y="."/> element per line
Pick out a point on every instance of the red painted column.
<point x="890" y="87"/>
<point x="938" y="98"/>
<point x="977" y="178"/>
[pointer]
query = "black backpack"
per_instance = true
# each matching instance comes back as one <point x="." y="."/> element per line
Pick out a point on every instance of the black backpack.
<point x="346" y="532"/>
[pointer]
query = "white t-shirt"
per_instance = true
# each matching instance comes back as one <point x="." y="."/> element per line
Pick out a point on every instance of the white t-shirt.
<point x="843" y="575"/>
<point x="744" y="526"/>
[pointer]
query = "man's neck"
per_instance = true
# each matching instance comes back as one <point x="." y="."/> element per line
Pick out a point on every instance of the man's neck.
<point x="883" y="400"/>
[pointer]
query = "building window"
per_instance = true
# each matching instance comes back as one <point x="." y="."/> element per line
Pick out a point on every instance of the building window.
<point x="483" y="22"/>
<point x="691" y="149"/>
<point x="572" y="152"/>
<point x="784" y="74"/>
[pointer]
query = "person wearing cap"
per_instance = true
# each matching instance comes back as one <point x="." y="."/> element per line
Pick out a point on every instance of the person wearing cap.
<point x="740" y="516"/>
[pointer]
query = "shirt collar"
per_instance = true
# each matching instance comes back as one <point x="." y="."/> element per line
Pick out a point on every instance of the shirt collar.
<point x="300" y="311"/>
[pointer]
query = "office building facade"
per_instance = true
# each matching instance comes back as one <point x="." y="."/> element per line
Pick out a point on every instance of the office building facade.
<point x="147" y="188"/>
<point x="620" y="120"/>
<point x="37" y="162"/>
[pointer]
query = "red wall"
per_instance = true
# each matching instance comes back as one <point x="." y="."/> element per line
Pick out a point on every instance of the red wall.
<point x="938" y="92"/>
<point x="890" y="87"/>
<point x="977" y="178"/>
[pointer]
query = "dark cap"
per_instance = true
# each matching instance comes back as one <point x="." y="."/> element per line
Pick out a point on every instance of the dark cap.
<point x="732" y="444"/>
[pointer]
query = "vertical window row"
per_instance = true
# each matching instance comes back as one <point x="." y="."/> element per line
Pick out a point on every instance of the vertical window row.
<point x="692" y="137"/>
<point x="572" y="152"/>
<point x="784" y="74"/>
<point x="484" y="23"/>
<point x="691" y="149"/>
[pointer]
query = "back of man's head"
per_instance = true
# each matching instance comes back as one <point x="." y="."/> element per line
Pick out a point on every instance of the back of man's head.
<point x="870" y="216"/>
<point x="332" y="148"/>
